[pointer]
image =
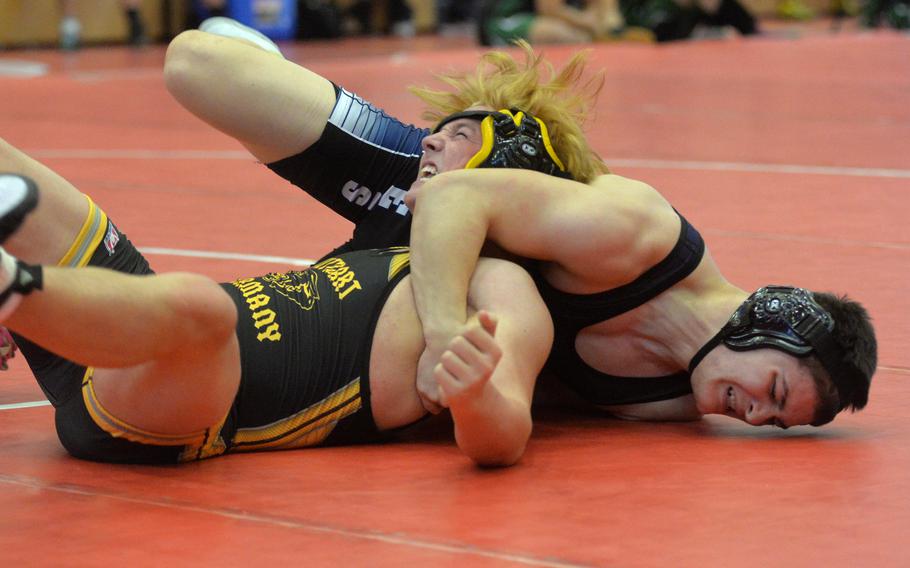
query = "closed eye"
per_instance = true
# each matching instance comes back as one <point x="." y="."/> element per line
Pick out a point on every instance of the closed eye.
<point x="465" y="131"/>
<point x="779" y="403"/>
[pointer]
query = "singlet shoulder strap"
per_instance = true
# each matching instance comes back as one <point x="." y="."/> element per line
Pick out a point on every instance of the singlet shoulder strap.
<point x="583" y="310"/>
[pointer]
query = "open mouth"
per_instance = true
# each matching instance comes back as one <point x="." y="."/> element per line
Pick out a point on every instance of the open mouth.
<point x="427" y="172"/>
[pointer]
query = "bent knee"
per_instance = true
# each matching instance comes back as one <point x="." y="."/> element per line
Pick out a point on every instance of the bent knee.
<point x="188" y="55"/>
<point x="7" y="150"/>
<point x="186" y="45"/>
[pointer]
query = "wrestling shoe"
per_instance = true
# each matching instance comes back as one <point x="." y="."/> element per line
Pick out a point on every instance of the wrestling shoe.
<point x="8" y="348"/>
<point x="227" y="27"/>
<point x="18" y="197"/>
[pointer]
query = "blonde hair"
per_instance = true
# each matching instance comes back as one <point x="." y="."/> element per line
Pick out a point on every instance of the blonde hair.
<point x="561" y="100"/>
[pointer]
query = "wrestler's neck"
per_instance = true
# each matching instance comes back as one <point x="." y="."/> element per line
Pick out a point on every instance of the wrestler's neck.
<point x="698" y="319"/>
<point x="661" y="336"/>
<point x="677" y="323"/>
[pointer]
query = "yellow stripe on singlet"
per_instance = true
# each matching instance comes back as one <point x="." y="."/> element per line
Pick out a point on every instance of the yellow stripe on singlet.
<point x="88" y="239"/>
<point x="306" y="428"/>
<point x="199" y="444"/>
<point x="398" y="263"/>
<point x="212" y="445"/>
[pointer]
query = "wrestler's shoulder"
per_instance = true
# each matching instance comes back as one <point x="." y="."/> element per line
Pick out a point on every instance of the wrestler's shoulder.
<point x="631" y="191"/>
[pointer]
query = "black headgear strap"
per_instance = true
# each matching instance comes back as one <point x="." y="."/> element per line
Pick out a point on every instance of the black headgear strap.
<point x="477" y="115"/>
<point x="511" y="138"/>
<point x="789" y="320"/>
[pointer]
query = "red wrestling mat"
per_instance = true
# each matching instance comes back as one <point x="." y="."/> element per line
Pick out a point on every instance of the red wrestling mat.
<point x="791" y="157"/>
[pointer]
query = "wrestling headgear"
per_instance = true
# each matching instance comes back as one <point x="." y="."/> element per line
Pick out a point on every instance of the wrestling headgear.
<point x="511" y="139"/>
<point x="789" y="320"/>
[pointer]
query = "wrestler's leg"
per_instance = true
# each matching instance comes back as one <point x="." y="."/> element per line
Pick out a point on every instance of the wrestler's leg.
<point x="272" y="106"/>
<point x="49" y="231"/>
<point x="167" y="342"/>
<point x="65" y="229"/>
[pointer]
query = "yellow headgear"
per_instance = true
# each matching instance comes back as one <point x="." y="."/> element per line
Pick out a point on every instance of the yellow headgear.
<point x="511" y="139"/>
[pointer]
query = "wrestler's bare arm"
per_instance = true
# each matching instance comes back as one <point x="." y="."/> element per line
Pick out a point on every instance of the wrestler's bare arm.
<point x="487" y="373"/>
<point x="599" y="235"/>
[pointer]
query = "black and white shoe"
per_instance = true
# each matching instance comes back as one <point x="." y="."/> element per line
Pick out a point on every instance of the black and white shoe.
<point x="18" y="197"/>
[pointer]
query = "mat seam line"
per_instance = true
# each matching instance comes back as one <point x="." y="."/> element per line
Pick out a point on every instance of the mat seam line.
<point x="276" y="521"/>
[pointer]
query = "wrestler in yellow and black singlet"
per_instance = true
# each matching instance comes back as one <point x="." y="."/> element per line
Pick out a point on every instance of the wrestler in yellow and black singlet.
<point x="305" y="339"/>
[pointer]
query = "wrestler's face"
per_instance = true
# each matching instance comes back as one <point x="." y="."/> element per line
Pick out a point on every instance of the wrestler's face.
<point x="450" y="148"/>
<point x="763" y="386"/>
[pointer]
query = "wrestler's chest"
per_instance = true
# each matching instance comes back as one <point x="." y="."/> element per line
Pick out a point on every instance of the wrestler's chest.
<point x="618" y="348"/>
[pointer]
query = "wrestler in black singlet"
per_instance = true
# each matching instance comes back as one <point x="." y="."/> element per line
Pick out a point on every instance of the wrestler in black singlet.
<point x="574" y="312"/>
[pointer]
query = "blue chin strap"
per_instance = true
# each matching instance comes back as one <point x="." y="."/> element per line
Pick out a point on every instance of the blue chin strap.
<point x="511" y="139"/>
<point x="789" y="320"/>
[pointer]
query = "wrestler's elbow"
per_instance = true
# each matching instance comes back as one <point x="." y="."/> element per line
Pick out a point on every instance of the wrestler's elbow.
<point x="501" y="457"/>
<point x="500" y="448"/>
<point x="505" y="458"/>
